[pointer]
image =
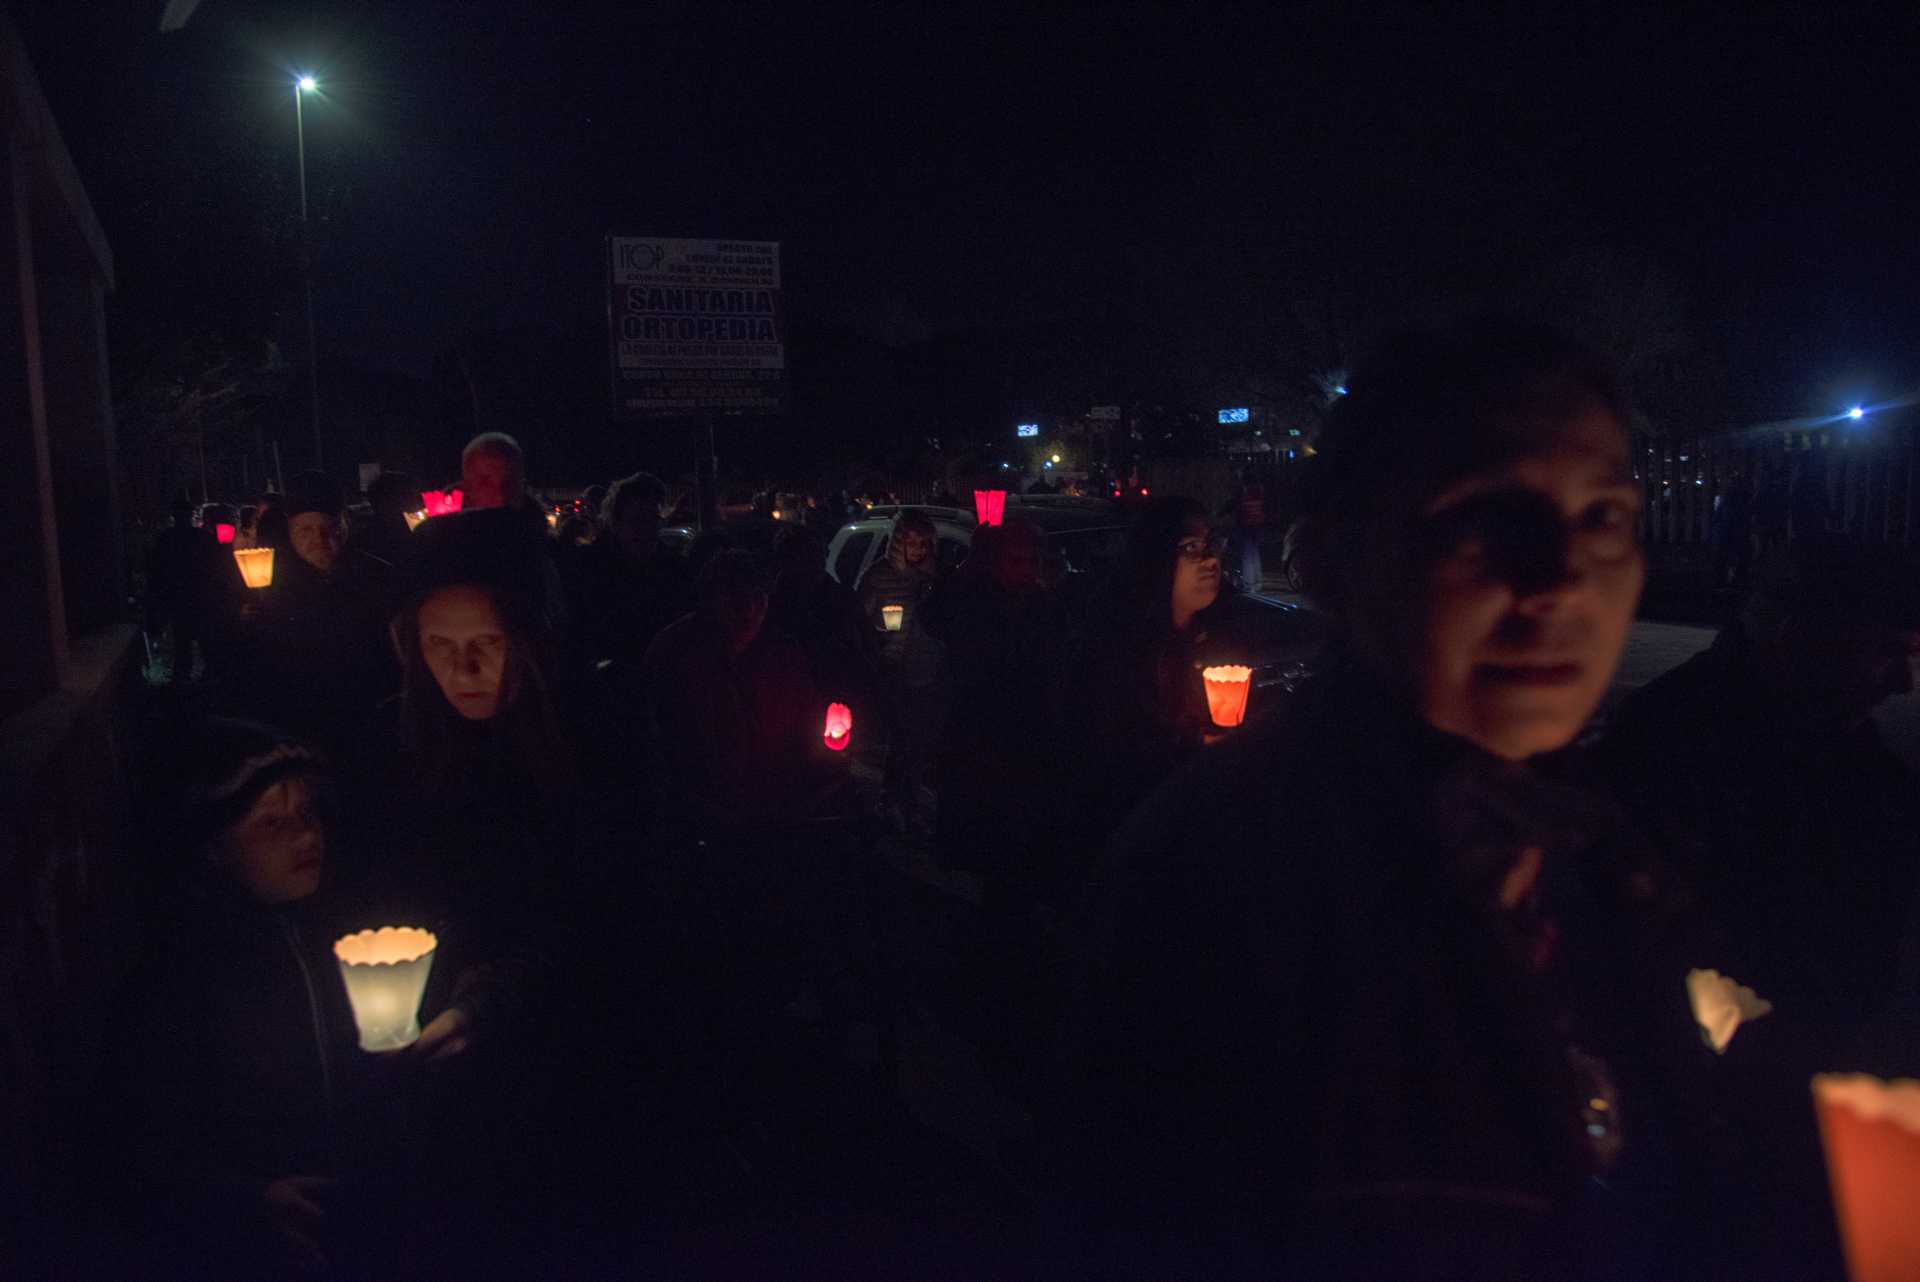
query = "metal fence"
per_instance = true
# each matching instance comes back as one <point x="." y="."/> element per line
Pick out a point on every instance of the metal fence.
<point x="1855" y="480"/>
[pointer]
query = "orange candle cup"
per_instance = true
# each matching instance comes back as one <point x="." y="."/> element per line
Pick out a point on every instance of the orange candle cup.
<point x="256" y="566"/>
<point x="1227" y="687"/>
<point x="1871" y="1132"/>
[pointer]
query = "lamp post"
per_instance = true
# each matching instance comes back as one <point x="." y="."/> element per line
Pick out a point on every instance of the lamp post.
<point x="302" y="87"/>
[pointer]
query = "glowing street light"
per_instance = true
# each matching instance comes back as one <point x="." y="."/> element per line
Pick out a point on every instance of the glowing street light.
<point x="303" y="86"/>
<point x="1856" y="413"/>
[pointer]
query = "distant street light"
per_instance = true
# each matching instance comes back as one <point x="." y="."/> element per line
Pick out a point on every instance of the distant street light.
<point x="1856" y="413"/>
<point x="301" y="87"/>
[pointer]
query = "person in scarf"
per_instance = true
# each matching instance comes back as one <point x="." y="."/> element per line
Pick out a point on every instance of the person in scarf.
<point x="1355" y="994"/>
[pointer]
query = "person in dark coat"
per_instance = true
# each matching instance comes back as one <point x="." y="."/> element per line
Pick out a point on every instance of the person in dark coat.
<point x="317" y="656"/>
<point x="1005" y="639"/>
<point x="821" y="615"/>
<point x="471" y="821"/>
<point x="625" y="587"/>
<point x="232" y="1084"/>
<point x="386" y="534"/>
<point x="1138" y="704"/>
<point x="1758" y="766"/>
<point x="911" y="661"/>
<point x="1360" y="994"/>
<point x="180" y="571"/>
<point x="733" y="709"/>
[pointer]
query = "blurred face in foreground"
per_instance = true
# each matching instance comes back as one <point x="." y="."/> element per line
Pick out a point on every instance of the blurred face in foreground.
<point x="317" y="539"/>
<point x="276" y="850"/>
<point x="490" y="479"/>
<point x="1532" y="571"/>
<point x="464" y="644"/>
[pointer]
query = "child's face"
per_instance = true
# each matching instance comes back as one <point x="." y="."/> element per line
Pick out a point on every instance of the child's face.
<point x="276" y="849"/>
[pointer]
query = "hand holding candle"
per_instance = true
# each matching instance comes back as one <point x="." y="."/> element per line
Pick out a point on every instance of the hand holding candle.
<point x="839" y="730"/>
<point x="256" y="566"/>
<point x="1227" y="688"/>
<point x="386" y="975"/>
<point x="1720" y="1006"/>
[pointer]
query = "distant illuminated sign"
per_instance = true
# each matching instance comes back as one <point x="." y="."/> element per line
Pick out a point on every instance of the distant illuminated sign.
<point x="1238" y="415"/>
<point x="1027" y="429"/>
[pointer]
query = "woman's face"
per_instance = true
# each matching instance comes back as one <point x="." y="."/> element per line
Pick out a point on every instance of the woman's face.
<point x="1196" y="570"/>
<point x="1533" y="569"/>
<point x="277" y="849"/>
<point x="465" y="646"/>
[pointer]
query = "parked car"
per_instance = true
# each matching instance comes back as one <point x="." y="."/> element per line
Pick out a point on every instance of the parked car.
<point x="858" y="544"/>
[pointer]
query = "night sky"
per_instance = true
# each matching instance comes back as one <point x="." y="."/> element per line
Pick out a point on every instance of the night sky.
<point x="1197" y="172"/>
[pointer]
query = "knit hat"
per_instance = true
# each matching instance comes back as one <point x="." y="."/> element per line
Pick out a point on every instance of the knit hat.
<point x="227" y="764"/>
<point x="314" y="492"/>
<point x="494" y="548"/>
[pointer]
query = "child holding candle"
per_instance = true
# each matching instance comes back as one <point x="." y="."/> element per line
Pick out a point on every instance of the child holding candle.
<point x="240" y="1040"/>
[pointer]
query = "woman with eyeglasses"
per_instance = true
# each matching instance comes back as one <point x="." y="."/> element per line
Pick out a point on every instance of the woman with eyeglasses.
<point x="1140" y="703"/>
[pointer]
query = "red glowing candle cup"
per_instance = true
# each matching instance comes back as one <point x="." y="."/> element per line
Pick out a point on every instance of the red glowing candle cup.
<point x="839" y="726"/>
<point x="223" y="532"/>
<point x="989" y="506"/>
<point x="1227" y="688"/>
<point x="442" y="502"/>
<point x="1871" y="1132"/>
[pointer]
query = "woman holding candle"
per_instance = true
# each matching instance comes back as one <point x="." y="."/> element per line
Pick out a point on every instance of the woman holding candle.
<point x="478" y="807"/>
<point x="1138" y="701"/>
<point x="471" y="818"/>
<point x="1391" y="1018"/>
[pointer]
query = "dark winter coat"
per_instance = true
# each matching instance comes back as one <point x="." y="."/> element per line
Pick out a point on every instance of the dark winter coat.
<point x="1300" y="1021"/>
<point x="320" y="658"/>
<point x="1802" y="852"/>
<point x="1000" y="783"/>
<point x="911" y="656"/>
<point x="481" y="856"/>
<point x="619" y="606"/>
<point x="235" y="1072"/>
<point x="738" y="736"/>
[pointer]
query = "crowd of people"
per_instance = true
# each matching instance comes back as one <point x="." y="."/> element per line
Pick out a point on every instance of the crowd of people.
<point x="1389" y="982"/>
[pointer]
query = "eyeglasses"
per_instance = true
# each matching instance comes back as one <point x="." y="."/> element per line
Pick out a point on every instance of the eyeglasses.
<point x="1202" y="549"/>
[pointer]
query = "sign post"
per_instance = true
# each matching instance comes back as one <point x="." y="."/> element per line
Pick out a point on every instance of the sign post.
<point x="696" y="329"/>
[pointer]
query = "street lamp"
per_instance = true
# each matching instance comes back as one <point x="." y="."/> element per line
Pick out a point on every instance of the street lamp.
<point x="302" y="87"/>
<point x="1856" y="413"/>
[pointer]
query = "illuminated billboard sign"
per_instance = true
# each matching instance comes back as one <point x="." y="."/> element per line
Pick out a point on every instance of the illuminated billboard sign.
<point x="1027" y="429"/>
<point x="698" y="327"/>
<point x="1237" y="415"/>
